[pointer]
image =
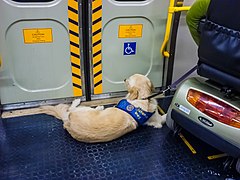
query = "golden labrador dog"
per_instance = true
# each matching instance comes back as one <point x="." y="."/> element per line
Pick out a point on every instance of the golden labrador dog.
<point x="91" y="125"/>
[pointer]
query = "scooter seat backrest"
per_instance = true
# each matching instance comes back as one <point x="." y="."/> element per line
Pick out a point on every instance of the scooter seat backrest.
<point x="219" y="48"/>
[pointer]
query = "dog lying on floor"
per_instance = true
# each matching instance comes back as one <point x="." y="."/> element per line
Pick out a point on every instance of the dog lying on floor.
<point x="91" y="125"/>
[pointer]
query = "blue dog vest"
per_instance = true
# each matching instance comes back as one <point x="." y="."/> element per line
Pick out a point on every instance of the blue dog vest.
<point x="138" y="114"/>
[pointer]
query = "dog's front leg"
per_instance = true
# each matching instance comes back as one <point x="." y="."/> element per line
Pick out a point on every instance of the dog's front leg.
<point x="156" y="120"/>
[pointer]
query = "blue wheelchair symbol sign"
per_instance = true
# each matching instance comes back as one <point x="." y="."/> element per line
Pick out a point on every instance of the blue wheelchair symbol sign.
<point x="129" y="48"/>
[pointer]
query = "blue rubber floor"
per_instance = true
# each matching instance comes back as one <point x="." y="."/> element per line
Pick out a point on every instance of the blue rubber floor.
<point x="37" y="147"/>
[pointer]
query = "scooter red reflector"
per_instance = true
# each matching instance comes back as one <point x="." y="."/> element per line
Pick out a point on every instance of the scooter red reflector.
<point x="214" y="108"/>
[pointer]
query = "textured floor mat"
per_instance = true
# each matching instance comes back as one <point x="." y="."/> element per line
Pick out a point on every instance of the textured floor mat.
<point x="37" y="147"/>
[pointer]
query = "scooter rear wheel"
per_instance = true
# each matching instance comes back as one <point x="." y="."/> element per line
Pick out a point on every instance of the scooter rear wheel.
<point x="238" y="165"/>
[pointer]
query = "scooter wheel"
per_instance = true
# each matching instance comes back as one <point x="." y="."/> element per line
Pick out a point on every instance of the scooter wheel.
<point x="238" y="165"/>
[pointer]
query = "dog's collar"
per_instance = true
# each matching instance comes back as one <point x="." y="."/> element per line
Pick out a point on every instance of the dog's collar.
<point x="138" y="114"/>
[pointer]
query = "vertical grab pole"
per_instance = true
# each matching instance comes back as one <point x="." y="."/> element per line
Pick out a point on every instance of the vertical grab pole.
<point x="172" y="9"/>
<point x="167" y="32"/>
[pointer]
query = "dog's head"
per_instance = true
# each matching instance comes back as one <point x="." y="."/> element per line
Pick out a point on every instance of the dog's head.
<point x="138" y="86"/>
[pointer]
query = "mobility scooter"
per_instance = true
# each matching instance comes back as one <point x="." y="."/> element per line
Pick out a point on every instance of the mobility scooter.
<point x="209" y="106"/>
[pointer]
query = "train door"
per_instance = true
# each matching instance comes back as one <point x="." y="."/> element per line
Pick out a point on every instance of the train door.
<point x="126" y="38"/>
<point x="39" y="50"/>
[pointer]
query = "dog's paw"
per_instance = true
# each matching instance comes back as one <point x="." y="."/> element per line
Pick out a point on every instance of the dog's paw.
<point x="74" y="104"/>
<point x="164" y="117"/>
<point x="157" y="125"/>
<point x="154" y="124"/>
<point x="99" y="108"/>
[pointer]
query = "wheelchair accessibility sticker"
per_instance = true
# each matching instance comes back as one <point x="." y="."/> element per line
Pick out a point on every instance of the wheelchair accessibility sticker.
<point x="129" y="48"/>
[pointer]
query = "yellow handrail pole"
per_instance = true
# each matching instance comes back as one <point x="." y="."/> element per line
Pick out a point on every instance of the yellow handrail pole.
<point x="171" y="10"/>
<point x="184" y="8"/>
<point x="167" y="32"/>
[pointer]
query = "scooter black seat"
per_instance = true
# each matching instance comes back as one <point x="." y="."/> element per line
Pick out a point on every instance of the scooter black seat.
<point x="219" y="54"/>
<point x="218" y="76"/>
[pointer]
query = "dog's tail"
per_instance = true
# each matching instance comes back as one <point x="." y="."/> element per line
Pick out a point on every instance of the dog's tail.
<point x="59" y="111"/>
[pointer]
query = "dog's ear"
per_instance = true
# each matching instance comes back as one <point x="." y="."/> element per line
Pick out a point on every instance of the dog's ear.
<point x="151" y="87"/>
<point x="133" y="93"/>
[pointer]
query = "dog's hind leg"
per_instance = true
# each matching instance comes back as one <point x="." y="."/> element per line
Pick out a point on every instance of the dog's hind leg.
<point x="99" y="108"/>
<point x="74" y="104"/>
<point x="59" y="111"/>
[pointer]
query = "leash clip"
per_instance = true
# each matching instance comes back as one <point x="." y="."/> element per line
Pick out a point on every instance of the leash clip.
<point x="166" y="90"/>
<point x="174" y="85"/>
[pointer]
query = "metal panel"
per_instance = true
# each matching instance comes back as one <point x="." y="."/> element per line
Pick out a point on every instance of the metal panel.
<point x="40" y="51"/>
<point x="122" y="26"/>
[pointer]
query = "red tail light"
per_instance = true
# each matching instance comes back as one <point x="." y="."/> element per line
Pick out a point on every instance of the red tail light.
<point x="214" y="108"/>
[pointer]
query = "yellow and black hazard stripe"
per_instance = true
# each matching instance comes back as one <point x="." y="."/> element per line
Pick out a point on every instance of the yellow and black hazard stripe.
<point x="187" y="143"/>
<point x="73" y="19"/>
<point x="97" y="45"/>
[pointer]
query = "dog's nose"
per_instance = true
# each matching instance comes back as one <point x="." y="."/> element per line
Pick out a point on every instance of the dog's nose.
<point x="124" y="80"/>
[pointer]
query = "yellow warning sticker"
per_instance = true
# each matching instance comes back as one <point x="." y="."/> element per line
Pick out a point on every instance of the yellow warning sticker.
<point x="130" y="31"/>
<point x="187" y="143"/>
<point x="41" y="35"/>
<point x="217" y="156"/>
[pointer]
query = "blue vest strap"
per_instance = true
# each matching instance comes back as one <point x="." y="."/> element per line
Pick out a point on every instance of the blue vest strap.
<point x="138" y="114"/>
